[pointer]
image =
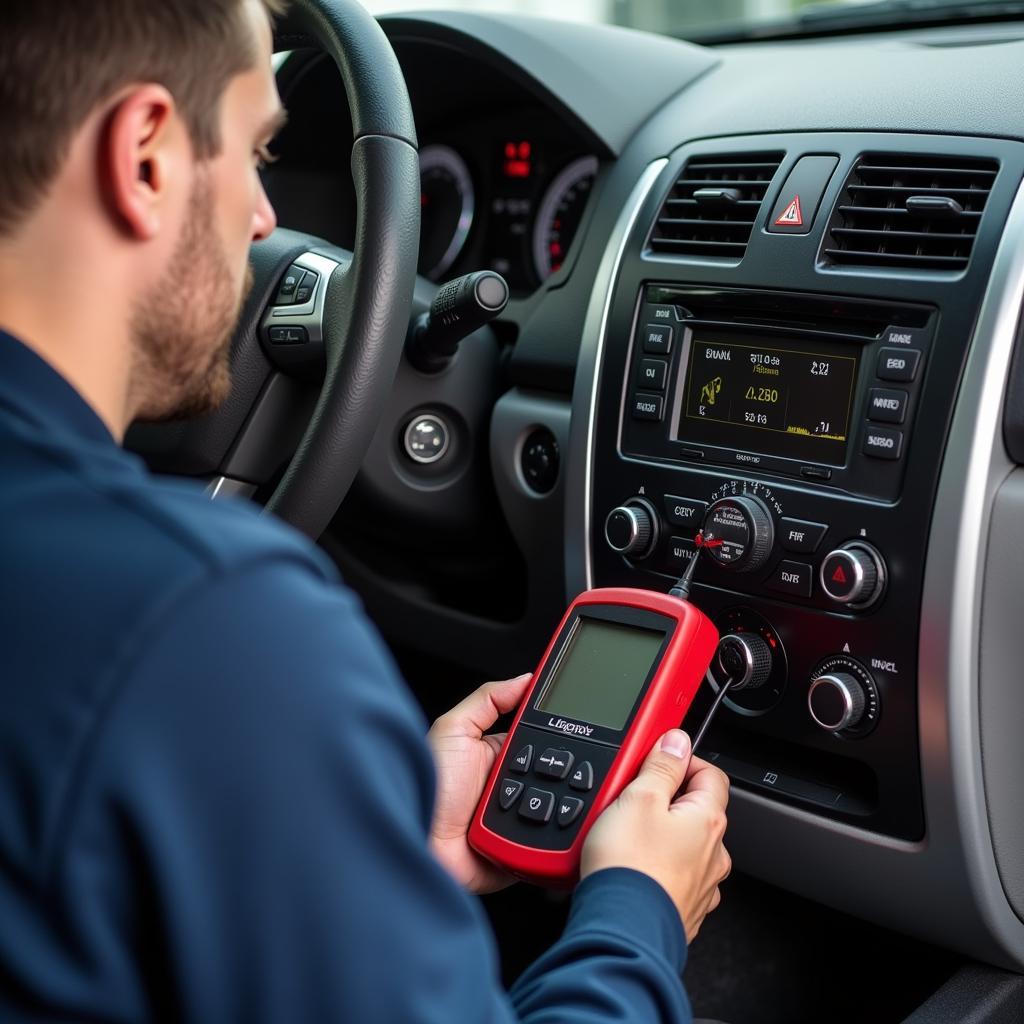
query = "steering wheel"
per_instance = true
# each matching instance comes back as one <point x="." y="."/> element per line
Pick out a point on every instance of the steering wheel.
<point x="355" y="316"/>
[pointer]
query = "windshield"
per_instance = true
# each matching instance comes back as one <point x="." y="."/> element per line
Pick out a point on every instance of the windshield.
<point x="710" y="19"/>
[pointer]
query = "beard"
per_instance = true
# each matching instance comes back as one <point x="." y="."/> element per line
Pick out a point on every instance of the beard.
<point x="182" y="328"/>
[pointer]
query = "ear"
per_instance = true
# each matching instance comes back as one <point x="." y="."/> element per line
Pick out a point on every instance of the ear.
<point x="142" y="150"/>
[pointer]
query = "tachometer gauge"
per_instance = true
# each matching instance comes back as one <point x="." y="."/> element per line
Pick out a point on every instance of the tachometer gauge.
<point x="446" y="209"/>
<point x="560" y="213"/>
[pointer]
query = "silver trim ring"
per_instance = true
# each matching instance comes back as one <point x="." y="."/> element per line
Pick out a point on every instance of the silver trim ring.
<point x="434" y="456"/>
<point x="832" y="680"/>
<point x="748" y="659"/>
<point x="634" y="533"/>
<point x="858" y="577"/>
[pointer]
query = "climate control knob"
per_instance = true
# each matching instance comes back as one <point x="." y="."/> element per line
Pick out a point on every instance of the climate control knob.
<point x="837" y="701"/>
<point x="745" y="660"/>
<point x="738" y="532"/>
<point x="631" y="528"/>
<point x="853" y="575"/>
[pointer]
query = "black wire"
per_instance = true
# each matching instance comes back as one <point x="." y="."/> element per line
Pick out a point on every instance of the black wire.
<point x="681" y="587"/>
<point x="719" y="697"/>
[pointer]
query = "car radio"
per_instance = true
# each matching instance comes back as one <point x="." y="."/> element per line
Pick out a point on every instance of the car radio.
<point x="807" y="387"/>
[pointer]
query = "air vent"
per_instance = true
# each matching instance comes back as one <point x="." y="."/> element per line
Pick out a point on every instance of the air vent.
<point x="907" y="210"/>
<point x="713" y="205"/>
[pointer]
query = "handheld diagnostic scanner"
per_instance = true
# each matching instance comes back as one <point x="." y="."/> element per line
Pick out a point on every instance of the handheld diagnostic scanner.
<point x="622" y="669"/>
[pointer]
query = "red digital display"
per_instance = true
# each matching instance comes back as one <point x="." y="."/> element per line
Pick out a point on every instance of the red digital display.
<point x="517" y="159"/>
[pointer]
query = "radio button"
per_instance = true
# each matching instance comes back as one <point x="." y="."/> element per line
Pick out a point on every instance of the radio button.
<point x="801" y="536"/>
<point x="651" y="374"/>
<point x="647" y="407"/>
<point x="685" y="511"/>
<point x="905" y="336"/>
<point x="658" y="338"/>
<point x="537" y="805"/>
<point x="815" y="473"/>
<point x="582" y="777"/>
<point x="569" y="808"/>
<point x="898" y="364"/>
<point x="794" y="578"/>
<point x="680" y="552"/>
<point x="882" y="443"/>
<point x="886" y="405"/>
<point x="520" y="764"/>
<point x="663" y="314"/>
<point x="508" y="792"/>
<point x="554" y="764"/>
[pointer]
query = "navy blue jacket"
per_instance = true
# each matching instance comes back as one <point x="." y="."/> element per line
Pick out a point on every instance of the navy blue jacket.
<point x="215" y="792"/>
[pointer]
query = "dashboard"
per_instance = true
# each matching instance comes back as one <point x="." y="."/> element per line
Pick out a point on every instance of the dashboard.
<point x="772" y="291"/>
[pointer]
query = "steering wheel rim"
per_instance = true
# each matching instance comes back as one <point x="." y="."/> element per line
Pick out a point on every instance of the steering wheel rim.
<point x="367" y="304"/>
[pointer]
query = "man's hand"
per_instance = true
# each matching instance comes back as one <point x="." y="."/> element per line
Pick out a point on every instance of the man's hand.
<point x="675" y="840"/>
<point x="464" y="757"/>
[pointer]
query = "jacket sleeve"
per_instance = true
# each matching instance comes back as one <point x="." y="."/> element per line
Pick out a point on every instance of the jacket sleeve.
<point x="249" y="839"/>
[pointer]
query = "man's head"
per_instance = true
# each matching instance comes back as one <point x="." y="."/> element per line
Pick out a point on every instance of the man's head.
<point x="136" y="127"/>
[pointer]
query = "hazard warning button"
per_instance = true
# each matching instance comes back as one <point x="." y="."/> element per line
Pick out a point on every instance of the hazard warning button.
<point x="797" y="202"/>
<point x="853" y="575"/>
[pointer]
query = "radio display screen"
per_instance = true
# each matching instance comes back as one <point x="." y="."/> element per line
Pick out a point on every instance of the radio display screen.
<point x="772" y="398"/>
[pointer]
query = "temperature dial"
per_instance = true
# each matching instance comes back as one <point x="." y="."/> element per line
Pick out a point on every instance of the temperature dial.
<point x="738" y="532"/>
<point x="843" y="697"/>
<point x="631" y="529"/>
<point x="746" y="659"/>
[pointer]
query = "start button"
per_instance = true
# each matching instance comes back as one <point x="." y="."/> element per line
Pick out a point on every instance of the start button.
<point x="427" y="439"/>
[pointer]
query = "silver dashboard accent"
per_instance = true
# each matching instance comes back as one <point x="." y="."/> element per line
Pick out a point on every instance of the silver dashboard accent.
<point x="579" y="572"/>
<point x="837" y="682"/>
<point x="226" y="487"/>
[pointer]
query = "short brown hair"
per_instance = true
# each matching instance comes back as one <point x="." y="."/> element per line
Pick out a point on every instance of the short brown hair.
<point x="60" y="58"/>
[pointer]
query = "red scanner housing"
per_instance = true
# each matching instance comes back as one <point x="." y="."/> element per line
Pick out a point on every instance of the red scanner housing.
<point x="558" y="771"/>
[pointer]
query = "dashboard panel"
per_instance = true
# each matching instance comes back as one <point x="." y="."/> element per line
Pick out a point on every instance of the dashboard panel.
<point x="906" y="815"/>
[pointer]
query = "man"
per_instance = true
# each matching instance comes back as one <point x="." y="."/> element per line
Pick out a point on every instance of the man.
<point x="216" y="803"/>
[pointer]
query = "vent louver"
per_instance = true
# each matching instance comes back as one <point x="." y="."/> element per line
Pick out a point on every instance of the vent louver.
<point x="713" y="205"/>
<point x="908" y="210"/>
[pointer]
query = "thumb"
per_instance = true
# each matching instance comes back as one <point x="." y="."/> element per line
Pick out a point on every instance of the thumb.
<point x="665" y="766"/>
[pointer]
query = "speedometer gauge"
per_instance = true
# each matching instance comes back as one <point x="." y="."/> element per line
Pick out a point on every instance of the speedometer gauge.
<point x="560" y="213"/>
<point x="446" y="209"/>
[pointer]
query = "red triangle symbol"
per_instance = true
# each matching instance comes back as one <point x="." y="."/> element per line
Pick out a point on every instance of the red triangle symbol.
<point x="839" y="576"/>
<point x="791" y="217"/>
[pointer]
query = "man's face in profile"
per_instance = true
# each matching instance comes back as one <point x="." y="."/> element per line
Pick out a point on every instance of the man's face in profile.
<point x="182" y="329"/>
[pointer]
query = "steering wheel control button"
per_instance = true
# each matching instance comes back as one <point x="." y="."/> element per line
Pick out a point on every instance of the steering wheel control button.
<point x="800" y="536"/>
<point x="286" y="292"/>
<point x="652" y="373"/>
<point x="797" y="203"/>
<point x="630" y="528"/>
<point x="836" y="702"/>
<point x="582" y="777"/>
<point x="427" y="439"/>
<point x="883" y="442"/>
<point x="647" y="407"/>
<point x="795" y="578"/>
<point x="288" y="335"/>
<point x="537" y="805"/>
<point x="569" y="808"/>
<point x="306" y="287"/>
<point x="685" y="511"/>
<point x="520" y="764"/>
<point x="554" y="764"/>
<point x="745" y="659"/>
<point x="658" y="339"/>
<point x="539" y="461"/>
<point x="509" y="792"/>
<point x="898" y="364"/>
<point x="853" y="575"/>
<point x="887" y="406"/>
<point x="738" y="533"/>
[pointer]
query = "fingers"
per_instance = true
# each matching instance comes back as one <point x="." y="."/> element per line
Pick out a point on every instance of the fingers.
<point x="706" y="785"/>
<point x="475" y="714"/>
<point x="665" y="767"/>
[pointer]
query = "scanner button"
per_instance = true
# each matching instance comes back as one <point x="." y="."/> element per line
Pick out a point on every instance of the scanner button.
<point x="583" y="777"/>
<point x="554" y="764"/>
<point x="569" y="808"/>
<point x="537" y="805"/>
<point x="520" y="764"/>
<point x="508" y="792"/>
